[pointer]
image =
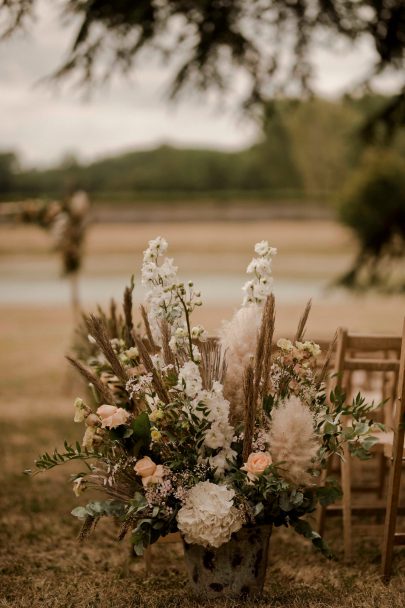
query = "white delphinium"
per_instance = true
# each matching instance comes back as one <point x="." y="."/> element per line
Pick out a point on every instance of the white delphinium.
<point x="160" y="276"/>
<point x="169" y="300"/>
<point x="292" y="440"/>
<point x="199" y="333"/>
<point x="208" y="516"/>
<point x="189" y="379"/>
<point x="260" y="286"/>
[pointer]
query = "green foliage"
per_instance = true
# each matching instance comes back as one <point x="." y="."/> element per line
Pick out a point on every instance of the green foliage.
<point x="373" y="205"/>
<point x="49" y="461"/>
<point x="329" y="493"/>
<point x="100" y="508"/>
<point x="303" y="527"/>
<point x="140" y="432"/>
<point x="357" y="435"/>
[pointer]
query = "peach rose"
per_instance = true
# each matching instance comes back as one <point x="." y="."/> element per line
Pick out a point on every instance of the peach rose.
<point x="157" y="476"/>
<point x="145" y="467"/>
<point x="112" y="416"/>
<point x="256" y="463"/>
<point x="149" y="471"/>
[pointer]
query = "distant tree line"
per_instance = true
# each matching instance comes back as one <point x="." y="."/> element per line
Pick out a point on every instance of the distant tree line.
<point x="307" y="150"/>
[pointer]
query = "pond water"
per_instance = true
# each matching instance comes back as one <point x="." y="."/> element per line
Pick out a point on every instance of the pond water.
<point x="216" y="289"/>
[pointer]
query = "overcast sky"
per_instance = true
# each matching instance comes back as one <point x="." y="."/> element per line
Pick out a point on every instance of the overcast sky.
<point x="42" y="124"/>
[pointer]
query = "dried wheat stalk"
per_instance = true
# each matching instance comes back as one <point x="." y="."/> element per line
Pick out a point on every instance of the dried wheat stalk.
<point x="113" y="319"/>
<point x="213" y="364"/>
<point x="303" y="321"/>
<point x="168" y="354"/>
<point x="250" y="411"/>
<point x="322" y="374"/>
<point x="88" y="525"/>
<point x="125" y="527"/>
<point x="127" y="307"/>
<point x="269" y="318"/>
<point x="102" y="389"/>
<point x="148" y="330"/>
<point x="97" y="329"/>
<point x="150" y="368"/>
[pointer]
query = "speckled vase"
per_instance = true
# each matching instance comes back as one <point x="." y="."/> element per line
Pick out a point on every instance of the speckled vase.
<point x="236" y="569"/>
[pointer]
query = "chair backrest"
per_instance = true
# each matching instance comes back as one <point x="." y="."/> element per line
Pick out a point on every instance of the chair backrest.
<point x="374" y="355"/>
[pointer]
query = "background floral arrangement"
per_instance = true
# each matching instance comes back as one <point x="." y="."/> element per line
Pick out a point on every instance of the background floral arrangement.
<point x="205" y="435"/>
<point x="66" y="222"/>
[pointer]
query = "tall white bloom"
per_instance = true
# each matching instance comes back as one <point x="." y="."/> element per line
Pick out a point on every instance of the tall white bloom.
<point x="167" y="298"/>
<point x="259" y="286"/>
<point x="189" y="379"/>
<point x="208" y="516"/>
<point x="160" y="277"/>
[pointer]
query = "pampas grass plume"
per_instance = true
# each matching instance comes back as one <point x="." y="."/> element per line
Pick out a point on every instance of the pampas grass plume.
<point x="292" y="440"/>
<point x="238" y="340"/>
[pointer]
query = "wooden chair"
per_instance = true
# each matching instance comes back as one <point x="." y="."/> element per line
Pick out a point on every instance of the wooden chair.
<point x="370" y="354"/>
<point x="391" y="537"/>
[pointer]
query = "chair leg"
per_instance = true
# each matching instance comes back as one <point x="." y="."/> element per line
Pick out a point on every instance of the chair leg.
<point x="396" y="469"/>
<point x="322" y="509"/>
<point x="347" y="503"/>
<point x="392" y="505"/>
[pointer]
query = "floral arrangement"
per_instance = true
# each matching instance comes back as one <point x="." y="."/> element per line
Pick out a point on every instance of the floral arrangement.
<point x="65" y="221"/>
<point x="202" y="435"/>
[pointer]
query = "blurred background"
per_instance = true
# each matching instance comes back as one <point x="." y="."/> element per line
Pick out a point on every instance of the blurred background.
<point x="215" y="124"/>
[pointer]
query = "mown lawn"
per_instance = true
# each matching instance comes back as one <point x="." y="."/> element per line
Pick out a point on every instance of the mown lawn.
<point x="43" y="565"/>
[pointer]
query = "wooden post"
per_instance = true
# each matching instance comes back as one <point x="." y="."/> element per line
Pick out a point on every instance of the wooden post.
<point x="74" y="296"/>
<point x="338" y="381"/>
<point x="345" y="465"/>
<point x="396" y="469"/>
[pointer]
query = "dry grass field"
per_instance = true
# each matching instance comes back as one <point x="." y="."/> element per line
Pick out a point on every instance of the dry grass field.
<point x="41" y="563"/>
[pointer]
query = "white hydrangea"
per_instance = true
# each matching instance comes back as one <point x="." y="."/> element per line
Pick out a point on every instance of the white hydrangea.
<point x="259" y="287"/>
<point x="208" y="516"/>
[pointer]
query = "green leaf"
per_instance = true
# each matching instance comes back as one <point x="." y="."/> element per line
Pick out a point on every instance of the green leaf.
<point x="258" y="508"/>
<point x="99" y="508"/>
<point x="141" y="429"/>
<point x="303" y="527"/>
<point x="268" y="404"/>
<point x="80" y="512"/>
